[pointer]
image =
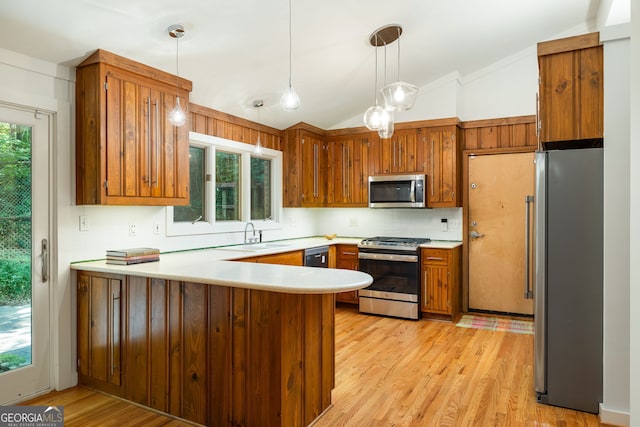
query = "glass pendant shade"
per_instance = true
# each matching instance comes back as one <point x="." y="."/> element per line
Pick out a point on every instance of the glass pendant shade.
<point x="373" y="117"/>
<point x="290" y="100"/>
<point x="177" y="117"/>
<point x="386" y="124"/>
<point x="399" y="96"/>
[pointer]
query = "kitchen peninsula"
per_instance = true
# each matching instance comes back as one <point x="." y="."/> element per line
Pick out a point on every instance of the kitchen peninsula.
<point x="210" y="340"/>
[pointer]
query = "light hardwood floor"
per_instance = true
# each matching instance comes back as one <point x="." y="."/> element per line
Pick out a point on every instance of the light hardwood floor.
<point x="392" y="372"/>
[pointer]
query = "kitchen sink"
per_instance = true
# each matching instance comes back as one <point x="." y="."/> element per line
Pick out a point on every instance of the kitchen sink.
<point x="253" y="247"/>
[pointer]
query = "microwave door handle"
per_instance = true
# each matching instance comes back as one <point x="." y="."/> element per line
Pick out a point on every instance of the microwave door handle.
<point x="413" y="191"/>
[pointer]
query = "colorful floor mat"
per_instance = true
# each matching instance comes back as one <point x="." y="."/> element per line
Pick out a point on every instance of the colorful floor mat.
<point x="496" y="324"/>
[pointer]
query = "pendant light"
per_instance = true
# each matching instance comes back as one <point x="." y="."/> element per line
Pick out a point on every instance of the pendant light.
<point x="399" y="96"/>
<point x="257" y="104"/>
<point x="374" y="115"/>
<point x="177" y="117"/>
<point x="290" y="100"/>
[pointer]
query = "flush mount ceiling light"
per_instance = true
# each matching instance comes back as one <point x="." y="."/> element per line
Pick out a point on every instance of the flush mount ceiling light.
<point x="290" y="100"/>
<point x="177" y="117"/>
<point x="398" y="96"/>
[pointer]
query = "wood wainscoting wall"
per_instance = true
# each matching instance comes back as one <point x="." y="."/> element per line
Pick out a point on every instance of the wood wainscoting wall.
<point x="216" y="123"/>
<point x="503" y="133"/>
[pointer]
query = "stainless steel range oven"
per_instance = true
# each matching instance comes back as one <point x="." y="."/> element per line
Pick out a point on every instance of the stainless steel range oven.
<point x="393" y="262"/>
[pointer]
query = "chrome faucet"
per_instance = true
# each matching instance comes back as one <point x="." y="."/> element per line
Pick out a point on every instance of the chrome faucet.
<point x="253" y="239"/>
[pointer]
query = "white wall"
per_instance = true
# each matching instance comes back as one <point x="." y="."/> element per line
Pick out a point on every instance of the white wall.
<point x="634" y="247"/>
<point x="615" y="406"/>
<point x="365" y="222"/>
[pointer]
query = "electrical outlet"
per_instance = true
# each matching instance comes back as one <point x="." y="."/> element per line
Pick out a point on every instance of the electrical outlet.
<point x="132" y="230"/>
<point x="156" y="228"/>
<point x="353" y="221"/>
<point x="83" y="223"/>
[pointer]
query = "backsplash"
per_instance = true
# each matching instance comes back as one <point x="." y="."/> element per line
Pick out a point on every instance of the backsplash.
<point x="365" y="222"/>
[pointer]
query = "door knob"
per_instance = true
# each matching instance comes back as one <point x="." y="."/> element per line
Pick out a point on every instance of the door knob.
<point x="475" y="235"/>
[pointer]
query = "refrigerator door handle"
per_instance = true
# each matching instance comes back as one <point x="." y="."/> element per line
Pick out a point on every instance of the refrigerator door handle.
<point x="540" y="276"/>
<point x="528" y="293"/>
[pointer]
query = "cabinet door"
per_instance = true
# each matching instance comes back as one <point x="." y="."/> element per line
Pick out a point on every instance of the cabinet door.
<point x="313" y="170"/>
<point x="400" y="153"/>
<point x="435" y="288"/>
<point x="286" y="258"/>
<point x="347" y="258"/>
<point x="99" y="320"/>
<point x="146" y="158"/>
<point x="442" y="159"/>
<point x="571" y="89"/>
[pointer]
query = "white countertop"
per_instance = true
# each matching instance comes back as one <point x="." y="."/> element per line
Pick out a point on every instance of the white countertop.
<point x="215" y="266"/>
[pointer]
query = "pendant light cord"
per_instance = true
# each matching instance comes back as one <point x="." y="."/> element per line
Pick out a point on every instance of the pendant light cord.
<point x="398" y="53"/>
<point x="290" y="43"/>
<point x="177" y="65"/>
<point x="375" y="73"/>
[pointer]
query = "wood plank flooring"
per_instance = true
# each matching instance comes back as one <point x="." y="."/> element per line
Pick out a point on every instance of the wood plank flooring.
<point x="392" y="372"/>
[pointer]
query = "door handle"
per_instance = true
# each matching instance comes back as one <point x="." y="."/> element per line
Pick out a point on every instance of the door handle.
<point x="528" y="293"/>
<point x="45" y="260"/>
<point x="475" y="235"/>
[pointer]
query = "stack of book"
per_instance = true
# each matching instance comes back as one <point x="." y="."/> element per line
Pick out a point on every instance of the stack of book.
<point x="132" y="256"/>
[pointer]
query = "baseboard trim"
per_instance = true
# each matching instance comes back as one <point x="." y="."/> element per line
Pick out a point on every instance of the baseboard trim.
<point x="615" y="418"/>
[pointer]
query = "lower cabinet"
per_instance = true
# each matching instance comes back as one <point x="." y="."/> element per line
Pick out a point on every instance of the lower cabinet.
<point x="347" y="258"/>
<point x="210" y="354"/>
<point x="440" y="282"/>
<point x="284" y="258"/>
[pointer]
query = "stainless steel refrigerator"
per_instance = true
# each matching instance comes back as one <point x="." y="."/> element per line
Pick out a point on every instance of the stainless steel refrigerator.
<point x="568" y="271"/>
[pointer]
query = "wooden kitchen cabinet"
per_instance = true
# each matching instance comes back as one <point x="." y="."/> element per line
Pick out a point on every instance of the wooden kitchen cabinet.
<point x="100" y="329"/>
<point x="127" y="152"/>
<point x="347" y="165"/>
<point x="401" y="153"/>
<point x="304" y="170"/>
<point x="347" y="258"/>
<point x="440" y="282"/>
<point x="443" y="156"/>
<point x="571" y="91"/>
<point x="284" y="258"/>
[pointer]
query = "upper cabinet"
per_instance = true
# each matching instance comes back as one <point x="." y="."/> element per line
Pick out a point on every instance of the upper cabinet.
<point x="442" y="150"/>
<point x="401" y="153"/>
<point x="127" y="152"/>
<point x="571" y="91"/>
<point x="347" y="170"/>
<point x="304" y="167"/>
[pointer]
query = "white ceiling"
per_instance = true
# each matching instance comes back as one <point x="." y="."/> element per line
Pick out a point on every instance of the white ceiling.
<point x="236" y="51"/>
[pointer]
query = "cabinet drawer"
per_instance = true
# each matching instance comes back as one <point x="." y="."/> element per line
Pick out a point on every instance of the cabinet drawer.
<point x="432" y="256"/>
<point x="347" y="252"/>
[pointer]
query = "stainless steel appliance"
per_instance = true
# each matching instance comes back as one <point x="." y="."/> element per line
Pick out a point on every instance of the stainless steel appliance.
<point x="568" y="271"/>
<point x="317" y="257"/>
<point x="397" y="191"/>
<point x="393" y="262"/>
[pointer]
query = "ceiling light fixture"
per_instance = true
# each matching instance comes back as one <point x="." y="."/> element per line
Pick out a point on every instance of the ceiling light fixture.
<point x="399" y="96"/>
<point x="290" y="100"/>
<point x="177" y="117"/>
<point x="258" y="104"/>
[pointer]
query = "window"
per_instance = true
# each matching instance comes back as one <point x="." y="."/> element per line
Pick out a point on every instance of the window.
<point x="230" y="185"/>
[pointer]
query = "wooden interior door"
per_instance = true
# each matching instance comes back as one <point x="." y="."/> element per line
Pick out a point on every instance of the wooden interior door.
<point x="498" y="186"/>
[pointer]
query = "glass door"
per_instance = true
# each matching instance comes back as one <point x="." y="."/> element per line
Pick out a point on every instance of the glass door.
<point x="24" y="260"/>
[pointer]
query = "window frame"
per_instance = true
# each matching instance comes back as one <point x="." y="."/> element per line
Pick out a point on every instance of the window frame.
<point x="208" y="224"/>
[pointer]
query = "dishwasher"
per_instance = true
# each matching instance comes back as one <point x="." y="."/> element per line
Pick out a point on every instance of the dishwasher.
<point x="317" y="257"/>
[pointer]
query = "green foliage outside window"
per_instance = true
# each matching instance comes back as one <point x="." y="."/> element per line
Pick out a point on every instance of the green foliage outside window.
<point x="260" y="188"/>
<point x="196" y="208"/>
<point x="227" y="186"/>
<point x="15" y="213"/>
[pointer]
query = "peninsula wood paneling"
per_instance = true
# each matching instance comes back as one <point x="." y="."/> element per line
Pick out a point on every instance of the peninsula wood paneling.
<point x="213" y="355"/>
<point x="499" y="134"/>
<point x="215" y="123"/>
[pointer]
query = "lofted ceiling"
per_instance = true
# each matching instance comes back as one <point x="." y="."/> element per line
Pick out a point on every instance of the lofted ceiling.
<point x="236" y="51"/>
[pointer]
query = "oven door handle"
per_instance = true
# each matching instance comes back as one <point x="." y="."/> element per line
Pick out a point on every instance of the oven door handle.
<point x="388" y="257"/>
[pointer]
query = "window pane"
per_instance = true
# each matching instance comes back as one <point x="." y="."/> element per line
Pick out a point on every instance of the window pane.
<point x="260" y="188"/>
<point x="195" y="210"/>
<point x="227" y="186"/>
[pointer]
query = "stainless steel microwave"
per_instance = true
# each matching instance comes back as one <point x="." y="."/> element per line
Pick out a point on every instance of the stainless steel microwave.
<point x="397" y="191"/>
